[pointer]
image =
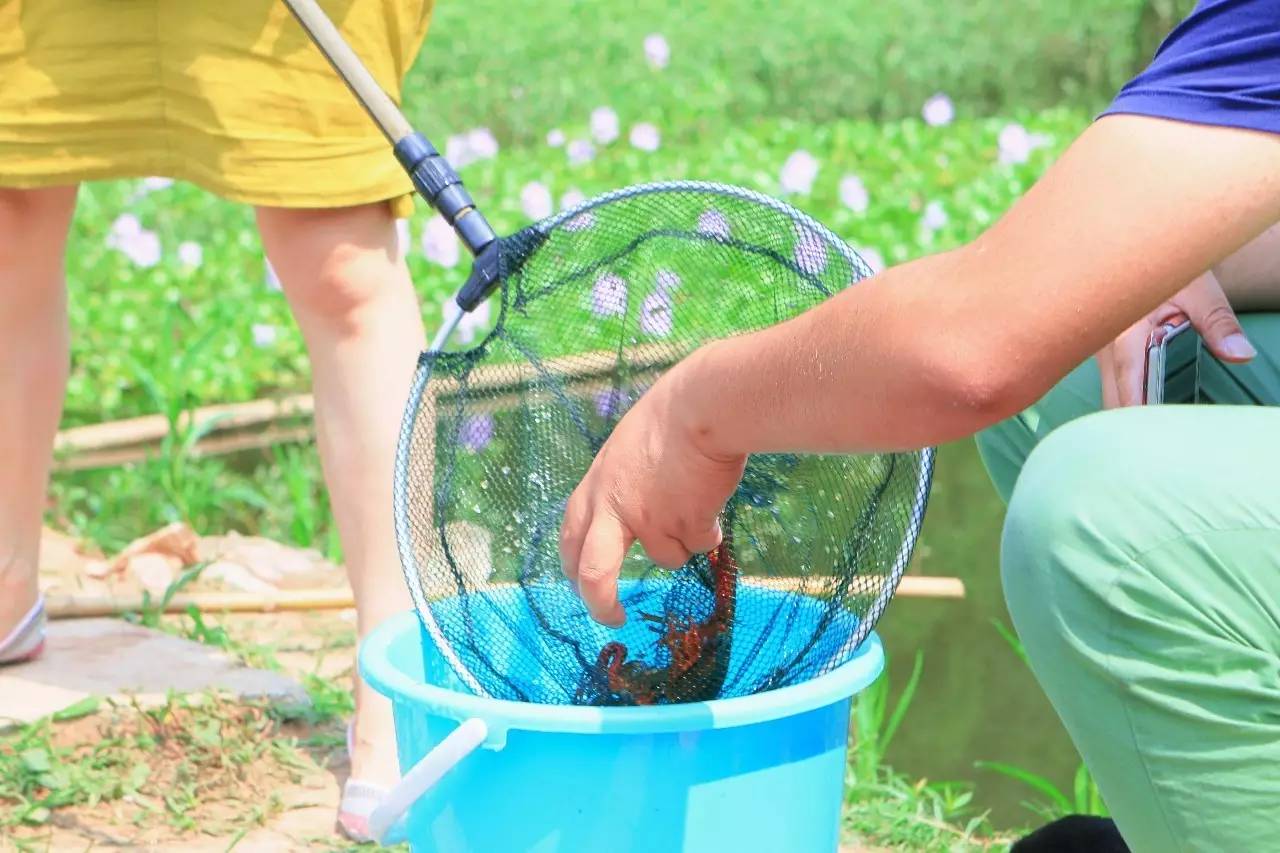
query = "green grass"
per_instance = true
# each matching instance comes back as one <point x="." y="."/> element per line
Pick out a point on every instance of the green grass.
<point x="886" y="808"/>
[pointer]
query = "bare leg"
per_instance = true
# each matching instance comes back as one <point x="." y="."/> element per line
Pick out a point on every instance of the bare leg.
<point x="33" y="378"/>
<point x="352" y="297"/>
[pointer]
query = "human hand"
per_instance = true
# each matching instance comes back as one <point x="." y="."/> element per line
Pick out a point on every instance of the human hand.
<point x="1202" y="303"/>
<point x="652" y="482"/>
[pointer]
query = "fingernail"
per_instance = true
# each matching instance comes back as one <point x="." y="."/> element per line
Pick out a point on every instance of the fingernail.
<point x="1237" y="346"/>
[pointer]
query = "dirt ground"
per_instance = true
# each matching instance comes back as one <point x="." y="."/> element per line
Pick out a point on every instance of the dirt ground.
<point x="258" y="783"/>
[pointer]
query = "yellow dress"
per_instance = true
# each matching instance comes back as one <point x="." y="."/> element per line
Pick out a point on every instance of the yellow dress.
<point x="230" y="95"/>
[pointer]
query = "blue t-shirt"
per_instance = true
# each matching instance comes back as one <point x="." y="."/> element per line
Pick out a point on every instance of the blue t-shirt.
<point x="1220" y="66"/>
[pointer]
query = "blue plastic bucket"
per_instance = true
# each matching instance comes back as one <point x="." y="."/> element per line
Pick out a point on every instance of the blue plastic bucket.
<point x="756" y="774"/>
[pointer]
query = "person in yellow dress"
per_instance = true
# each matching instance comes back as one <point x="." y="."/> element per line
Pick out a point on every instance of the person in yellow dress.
<point x="233" y="97"/>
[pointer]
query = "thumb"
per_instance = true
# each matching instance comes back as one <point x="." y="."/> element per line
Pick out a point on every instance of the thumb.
<point x="1212" y="316"/>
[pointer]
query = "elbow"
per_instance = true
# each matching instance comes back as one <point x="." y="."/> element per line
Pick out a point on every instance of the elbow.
<point x="979" y="386"/>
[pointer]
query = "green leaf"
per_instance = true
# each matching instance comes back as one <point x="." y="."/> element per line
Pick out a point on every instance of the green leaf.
<point x="76" y="710"/>
<point x="36" y="760"/>
<point x="904" y="702"/>
<point x="1012" y="639"/>
<point x="1058" y="799"/>
<point x="138" y="776"/>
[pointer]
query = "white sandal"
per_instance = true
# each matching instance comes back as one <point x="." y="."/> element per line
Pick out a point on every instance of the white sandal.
<point x="359" y="799"/>
<point x="26" y="641"/>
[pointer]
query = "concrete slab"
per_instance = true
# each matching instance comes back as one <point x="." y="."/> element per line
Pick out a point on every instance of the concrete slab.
<point x="114" y="658"/>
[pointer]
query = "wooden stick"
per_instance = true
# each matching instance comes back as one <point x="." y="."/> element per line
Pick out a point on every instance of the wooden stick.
<point x="153" y="428"/>
<point x="213" y="445"/>
<point x="81" y="606"/>
<point x="257" y="423"/>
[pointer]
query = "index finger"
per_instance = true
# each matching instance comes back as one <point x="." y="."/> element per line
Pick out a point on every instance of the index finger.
<point x="599" y="565"/>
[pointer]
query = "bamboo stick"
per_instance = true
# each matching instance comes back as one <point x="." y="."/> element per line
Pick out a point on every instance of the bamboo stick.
<point x="84" y="606"/>
<point x="129" y="440"/>
<point x="63" y="606"/>
<point x="153" y="428"/>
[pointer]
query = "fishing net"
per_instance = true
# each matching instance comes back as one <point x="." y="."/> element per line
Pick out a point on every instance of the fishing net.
<point x="593" y="304"/>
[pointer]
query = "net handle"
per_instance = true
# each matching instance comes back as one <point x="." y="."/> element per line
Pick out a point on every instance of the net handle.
<point x="353" y="72"/>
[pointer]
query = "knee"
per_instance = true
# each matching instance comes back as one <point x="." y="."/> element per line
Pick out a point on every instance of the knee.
<point x="1069" y="519"/>
<point x="333" y="265"/>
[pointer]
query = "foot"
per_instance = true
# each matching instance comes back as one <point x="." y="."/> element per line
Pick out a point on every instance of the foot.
<point x="21" y="620"/>
<point x="371" y="746"/>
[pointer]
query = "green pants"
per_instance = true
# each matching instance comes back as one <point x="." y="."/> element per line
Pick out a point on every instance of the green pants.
<point x="1141" y="566"/>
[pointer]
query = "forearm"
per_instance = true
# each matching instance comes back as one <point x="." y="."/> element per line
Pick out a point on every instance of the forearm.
<point x="1250" y="277"/>
<point x="904" y="360"/>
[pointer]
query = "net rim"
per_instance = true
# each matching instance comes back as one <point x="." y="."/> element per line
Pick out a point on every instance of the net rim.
<point x="545" y="226"/>
<point x="422" y="375"/>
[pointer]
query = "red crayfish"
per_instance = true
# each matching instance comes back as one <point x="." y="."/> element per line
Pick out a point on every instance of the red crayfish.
<point x="698" y="650"/>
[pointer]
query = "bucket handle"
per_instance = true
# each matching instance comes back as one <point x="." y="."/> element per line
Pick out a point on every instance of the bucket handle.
<point x="459" y="743"/>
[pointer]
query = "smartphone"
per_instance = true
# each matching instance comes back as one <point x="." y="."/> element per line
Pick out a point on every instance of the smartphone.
<point x="1173" y="351"/>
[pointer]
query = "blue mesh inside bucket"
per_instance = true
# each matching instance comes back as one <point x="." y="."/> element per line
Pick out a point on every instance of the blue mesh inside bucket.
<point x="797" y="631"/>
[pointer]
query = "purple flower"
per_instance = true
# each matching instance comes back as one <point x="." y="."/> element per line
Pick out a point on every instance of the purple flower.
<point x="580" y="151"/>
<point x="645" y="137"/>
<point x="475" y="432"/>
<point x="1016" y="144"/>
<point x="657" y="314"/>
<point x="667" y="280"/>
<point x="440" y="244"/>
<point x="798" y="172"/>
<point x="582" y="221"/>
<point x="935" y="216"/>
<point x="874" y="259"/>
<point x="465" y="148"/>
<point x="610" y="402"/>
<point x="482" y="143"/>
<point x="190" y="254"/>
<point x="656" y="50"/>
<point x="713" y="223"/>
<point x="273" y="280"/>
<point x="264" y="335"/>
<point x="938" y="110"/>
<point x="457" y="151"/>
<point x="609" y="296"/>
<point x="810" y="251"/>
<point x="156" y="183"/>
<point x="128" y="237"/>
<point x="555" y="137"/>
<point x="604" y="125"/>
<point x="126" y="225"/>
<point x="853" y="193"/>
<point x="535" y="200"/>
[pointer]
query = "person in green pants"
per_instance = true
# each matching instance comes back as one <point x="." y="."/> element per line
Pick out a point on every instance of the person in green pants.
<point x="1141" y="566"/>
<point x="1141" y="556"/>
